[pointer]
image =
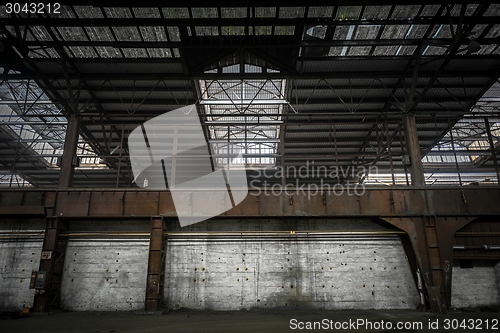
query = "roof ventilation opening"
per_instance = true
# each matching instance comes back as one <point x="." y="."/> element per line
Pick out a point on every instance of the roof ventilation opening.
<point x="246" y="113"/>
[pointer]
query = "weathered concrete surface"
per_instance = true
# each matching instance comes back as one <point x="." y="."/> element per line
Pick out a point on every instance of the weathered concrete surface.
<point x="497" y="274"/>
<point x="282" y="224"/>
<point x="475" y="287"/>
<point x="374" y="202"/>
<point x="18" y="257"/>
<point x="105" y="274"/>
<point x="322" y="273"/>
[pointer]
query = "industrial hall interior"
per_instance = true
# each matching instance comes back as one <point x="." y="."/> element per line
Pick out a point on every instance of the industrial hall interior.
<point x="227" y="156"/>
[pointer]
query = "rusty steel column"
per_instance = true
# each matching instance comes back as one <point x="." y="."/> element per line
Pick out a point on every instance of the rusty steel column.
<point x="49" y="275"/>
<point x="431" y="238"/>
<point x="413" y="146"/>
<point x="445" y="230"/>
<point x="69" y="158"/>
<point x="282" y="153"/>
<point x="156" y="265"/>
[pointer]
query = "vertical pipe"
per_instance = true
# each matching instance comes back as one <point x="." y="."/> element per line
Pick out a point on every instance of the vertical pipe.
<point x="173" y="174"/>
<point x="454" y="153"/>
<point x="386" y="129"/>
<point x="336" y="153"/>
<point x="403" y="153"/>
<point x="411" y="135"/>
<point x="282" y="153"/>
<point x="120" y="157"/>
<point x="13" y="170"/>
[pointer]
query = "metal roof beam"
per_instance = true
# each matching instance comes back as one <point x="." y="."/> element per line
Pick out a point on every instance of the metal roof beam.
<point x="473" y="72"/>
<point x="295" y="102"/>
<point x="216" y="43"/>
<point x="187" y="22"/>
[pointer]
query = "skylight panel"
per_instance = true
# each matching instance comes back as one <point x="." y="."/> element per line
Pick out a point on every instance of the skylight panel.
<point x="174" y="13"/>
<point x="143" y="12"/>
<point x="292" y="12"/>
<point x="245" y="114"/>
<point x="262" y="12"/>
<point x="88" y="12"/>
<point x="376" y="12"/>
<point x="234" y="12"/>
<point x="30" y="118"/>
<point x="325" y="11"/>
<point x="348" y="12"/>
<point x="204" y="12"/>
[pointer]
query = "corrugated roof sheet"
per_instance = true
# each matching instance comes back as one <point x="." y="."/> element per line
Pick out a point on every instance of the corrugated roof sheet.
<point x="352" y="65"/>
<point x="143" y="67"/>
<point x="356" y="59"/>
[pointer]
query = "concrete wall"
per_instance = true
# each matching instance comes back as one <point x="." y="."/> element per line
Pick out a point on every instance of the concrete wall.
<point x="18" y="257"/>
<point x="475" y="287"/>
<point x="497" y="274"/>
<point x="233" y="273"/>
<point x="327" y="273"/>
<point x="105" y="274"/>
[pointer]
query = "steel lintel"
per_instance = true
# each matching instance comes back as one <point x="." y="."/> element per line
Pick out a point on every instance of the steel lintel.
<point x="295" y="201"/>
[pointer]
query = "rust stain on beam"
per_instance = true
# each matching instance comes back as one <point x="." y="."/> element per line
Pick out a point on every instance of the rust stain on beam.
<point x="106" y="203"/>
<point x="141" y="203"/>
<point x="373" y="202"/>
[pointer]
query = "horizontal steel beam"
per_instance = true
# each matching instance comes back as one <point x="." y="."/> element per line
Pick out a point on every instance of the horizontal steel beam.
<point x="489" y="99"/>
<point x="133" y="203"/>
<point x="217" y="43"/>
<point x="465" y="72"/>
<point x="22" y="102"/>
<point x="334" y="99"/>
<point x="21" y="122"/>
<point x="24" y="211"/>
<point x="215" y="234"/>
<point x="122" y="61"/>
<point x="242" y="102"/>
<point x="263" y="140"/>
<point x="128" y="22"/>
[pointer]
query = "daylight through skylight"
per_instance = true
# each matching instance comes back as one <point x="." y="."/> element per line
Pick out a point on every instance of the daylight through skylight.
<point x="246" y="114"/>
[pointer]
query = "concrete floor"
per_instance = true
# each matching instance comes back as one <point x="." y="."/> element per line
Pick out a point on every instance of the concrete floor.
<point x="274" y="321"/>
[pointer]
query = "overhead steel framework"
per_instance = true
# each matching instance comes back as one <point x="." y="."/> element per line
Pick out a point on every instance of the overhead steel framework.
<point x="350" y="73"/>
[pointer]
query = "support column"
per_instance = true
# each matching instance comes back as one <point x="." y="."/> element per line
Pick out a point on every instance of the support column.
<point x="282" y="158"/>
<point x="412" y="144"/>
<point x="431" y="238"/>
<point x="69" y="159"/>
<point x="156" y="265"/>
<point x="49" y="275"/>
